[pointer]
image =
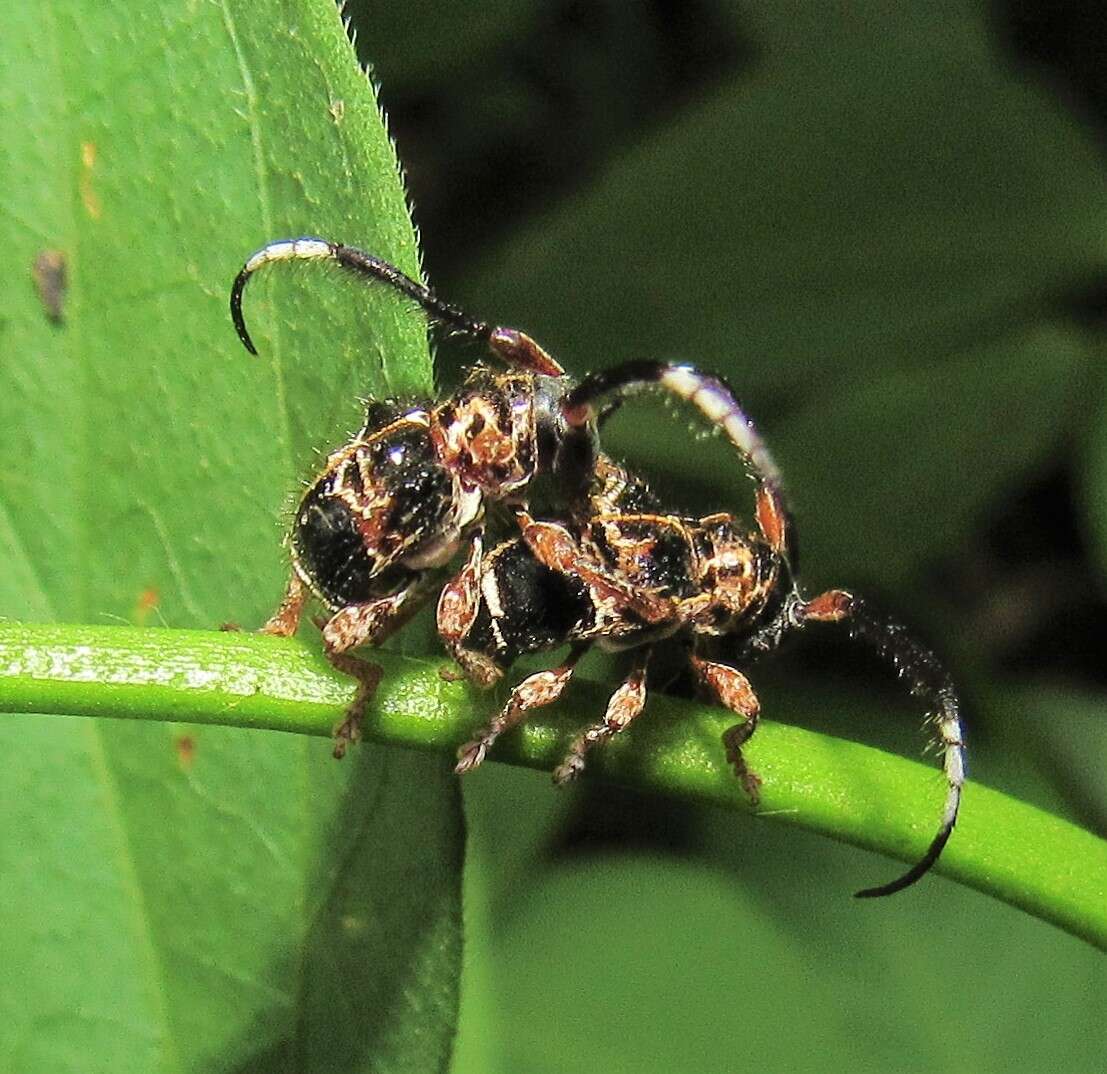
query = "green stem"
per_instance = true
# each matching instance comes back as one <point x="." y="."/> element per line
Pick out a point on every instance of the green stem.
<point x="1021" y="855"/>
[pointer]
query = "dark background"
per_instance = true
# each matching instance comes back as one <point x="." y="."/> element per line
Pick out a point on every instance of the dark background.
<point x="888" y="225"/>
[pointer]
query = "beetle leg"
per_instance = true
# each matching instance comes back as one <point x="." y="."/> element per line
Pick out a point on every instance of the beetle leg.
<point x="735" y="693"/>
<point x="541" y="688"/>
<point x="555" y="547"/>
<point x="460" y="597"/>
<point x="625" y="706"/>
<point x="364" y="624"/>
<point x="458" y="605"/>
<point x="284" y="621"/>
<point x="368" y="677"/>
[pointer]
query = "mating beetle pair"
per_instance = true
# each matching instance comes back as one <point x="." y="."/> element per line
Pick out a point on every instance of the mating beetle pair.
<point x="609" y="565"/>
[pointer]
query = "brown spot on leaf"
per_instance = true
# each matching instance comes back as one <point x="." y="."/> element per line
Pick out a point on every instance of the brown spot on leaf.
<point x="186" y="751"/>
<point x="49" y="273"/>
<point x="147" y="601"/>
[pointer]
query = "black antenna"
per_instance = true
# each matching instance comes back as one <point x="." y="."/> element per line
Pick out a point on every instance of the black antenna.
<point x="514" y="347"/>
<point x="315" y="249"/>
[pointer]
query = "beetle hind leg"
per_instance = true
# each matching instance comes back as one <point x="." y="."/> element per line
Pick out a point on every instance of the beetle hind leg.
<point x="364" y="624"/>
<point x="541" y="688"/>
<point x="735" y="693"/>
<point x="284" y="622"/>
<point x="625" y="706"/>
<point x="368" y="677"/>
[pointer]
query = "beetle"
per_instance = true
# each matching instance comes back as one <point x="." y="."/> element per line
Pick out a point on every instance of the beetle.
<point x="609" y="564"/>
<point x="621" y="571"/>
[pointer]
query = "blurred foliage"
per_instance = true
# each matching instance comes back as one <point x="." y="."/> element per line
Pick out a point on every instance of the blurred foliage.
<point x="886" y="225"/>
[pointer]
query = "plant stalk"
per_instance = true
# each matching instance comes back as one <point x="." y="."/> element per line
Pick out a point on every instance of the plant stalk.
<point x="1014" y="852"/>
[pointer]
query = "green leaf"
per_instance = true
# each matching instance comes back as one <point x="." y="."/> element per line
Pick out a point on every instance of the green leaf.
<point x="739" y="942"/>
<point x="1066" y="731"/>
<point x="741" y="953"/>
<point x="185" y="898"/>
<point x="864" y="194"/>
<point x="916" y="458"/>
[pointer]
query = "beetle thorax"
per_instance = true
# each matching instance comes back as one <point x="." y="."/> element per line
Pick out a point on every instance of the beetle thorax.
<point x="486" y="433"/>
<point x="739" y="571"/>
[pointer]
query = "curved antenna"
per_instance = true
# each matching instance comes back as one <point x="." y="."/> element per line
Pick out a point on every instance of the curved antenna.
<point x="509" y="344"/>
<point x="314" y="249"/>
<point x="716" y="401"/>
<point x="711" y="395"/>
<point x="925" y="677"/>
